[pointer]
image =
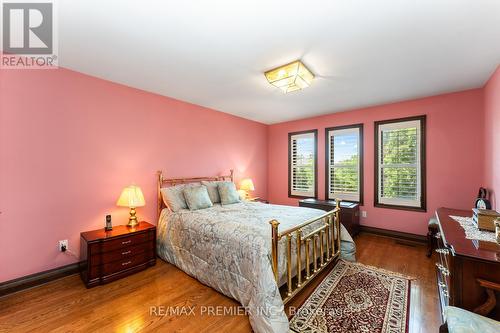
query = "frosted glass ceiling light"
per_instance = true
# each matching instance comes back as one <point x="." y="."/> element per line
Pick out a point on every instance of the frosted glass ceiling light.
<point x="290" y="77"/>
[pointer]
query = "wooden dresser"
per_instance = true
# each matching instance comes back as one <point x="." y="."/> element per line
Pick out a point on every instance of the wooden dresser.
<point x="349" y="212"/>
<point x="461" y="262"/>
<point x="109" y="255"/>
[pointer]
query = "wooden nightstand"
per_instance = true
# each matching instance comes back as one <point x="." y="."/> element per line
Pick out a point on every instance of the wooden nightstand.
<point x="349" y="212"/>
<point x="106" y="256"/>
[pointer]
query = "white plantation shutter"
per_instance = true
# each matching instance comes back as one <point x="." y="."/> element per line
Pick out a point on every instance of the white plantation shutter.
<point x="399" y="163"/>
<point x="303" y="164"/>
<point x="344" y="166"/>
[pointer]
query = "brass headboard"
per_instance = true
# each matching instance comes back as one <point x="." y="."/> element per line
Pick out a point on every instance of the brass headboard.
<point x="164" y="182"/>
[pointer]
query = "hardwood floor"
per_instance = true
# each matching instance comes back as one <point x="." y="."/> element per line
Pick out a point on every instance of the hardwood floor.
<point x="129" y="305"/>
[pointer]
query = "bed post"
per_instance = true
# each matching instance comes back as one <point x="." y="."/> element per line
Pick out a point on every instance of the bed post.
<point x="337" y="222"/>
<point x="299" y="258"/>
<point x="158" y="191"/>
<point x="274" y="247"/>
<point x="232" y="175"/>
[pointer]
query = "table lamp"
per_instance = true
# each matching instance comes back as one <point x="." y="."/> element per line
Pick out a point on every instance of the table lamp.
<point x="247" y="185"/>
<point x="131" y="197"/>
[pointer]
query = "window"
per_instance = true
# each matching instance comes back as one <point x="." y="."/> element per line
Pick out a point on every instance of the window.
<point x="344" y="163"/>
<point x="400" y="163"/>
<point x="302" y="164"/>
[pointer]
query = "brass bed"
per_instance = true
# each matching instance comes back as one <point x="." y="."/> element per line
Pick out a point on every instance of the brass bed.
<point x="321" y="246"/>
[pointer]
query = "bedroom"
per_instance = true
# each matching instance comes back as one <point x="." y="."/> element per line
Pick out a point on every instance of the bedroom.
<point x="184" y="91"/>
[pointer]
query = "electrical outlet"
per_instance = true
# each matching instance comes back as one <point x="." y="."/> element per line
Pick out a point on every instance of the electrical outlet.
<point x="63" y="243"/>
<point x="363" y="213"/>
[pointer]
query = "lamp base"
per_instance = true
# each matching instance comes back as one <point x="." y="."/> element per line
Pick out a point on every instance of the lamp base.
<point x="132" y="220"/>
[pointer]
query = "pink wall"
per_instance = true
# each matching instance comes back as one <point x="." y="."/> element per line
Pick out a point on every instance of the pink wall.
<point x="69" y="143"/>
<point x="492" y="137"/>
<point x="454" y="155"/>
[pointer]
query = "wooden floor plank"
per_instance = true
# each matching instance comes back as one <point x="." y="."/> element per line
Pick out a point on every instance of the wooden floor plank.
<point x="66" y="305"/>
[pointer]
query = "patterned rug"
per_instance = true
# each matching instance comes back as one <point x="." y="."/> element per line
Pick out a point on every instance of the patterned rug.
<point x="356" y="298"/>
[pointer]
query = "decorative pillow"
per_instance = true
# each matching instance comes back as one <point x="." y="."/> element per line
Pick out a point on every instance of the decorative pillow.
<point x="228" y="193"/>
<point x="213" y="191"/>
<point x="197" y="197"/>
<point x="173" y="197"/>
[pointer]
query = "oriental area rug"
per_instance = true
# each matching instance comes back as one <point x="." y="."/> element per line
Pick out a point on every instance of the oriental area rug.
<point x="356" y="298"/>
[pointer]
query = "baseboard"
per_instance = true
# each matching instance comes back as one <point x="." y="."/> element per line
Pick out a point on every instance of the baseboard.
<point x="404" y="236"/>
<point x="37" y="279"/>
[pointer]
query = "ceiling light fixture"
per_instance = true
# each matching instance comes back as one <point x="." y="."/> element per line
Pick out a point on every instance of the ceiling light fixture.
<point x="291" y="77"/>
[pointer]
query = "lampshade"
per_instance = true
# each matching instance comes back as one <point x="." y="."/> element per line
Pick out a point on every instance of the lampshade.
<point x="247" y="185"/>
<point x="131" y="197"/>
<point x="290" y="77"/>
<point x="243" y="194"/>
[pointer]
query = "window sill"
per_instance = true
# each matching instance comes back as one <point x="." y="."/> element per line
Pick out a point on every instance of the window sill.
<point x="301" y="197"/>
<point x="397" y="207"/>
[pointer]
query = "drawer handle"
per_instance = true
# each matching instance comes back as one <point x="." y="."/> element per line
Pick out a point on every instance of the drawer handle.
<point x="126" y="263"/>
<point x="126" y="252"/>
<point x="443" y="251"/>
<point x="127" y="242"/>
<point x="443" y="269"/>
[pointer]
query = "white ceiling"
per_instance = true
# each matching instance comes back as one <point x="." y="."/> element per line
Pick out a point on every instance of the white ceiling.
<point x="214" y="53"/>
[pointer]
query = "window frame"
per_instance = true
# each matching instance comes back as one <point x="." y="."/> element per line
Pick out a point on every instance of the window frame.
<point x="315" y="135"/>
<point x="360" y="157"/>
<point x="422" y="165"/>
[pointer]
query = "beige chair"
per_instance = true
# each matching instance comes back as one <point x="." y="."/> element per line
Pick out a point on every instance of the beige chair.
<point x="463" y="321"/>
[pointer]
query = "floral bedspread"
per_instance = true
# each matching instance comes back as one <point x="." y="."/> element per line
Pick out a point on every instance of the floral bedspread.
<point x="229" y="249"/>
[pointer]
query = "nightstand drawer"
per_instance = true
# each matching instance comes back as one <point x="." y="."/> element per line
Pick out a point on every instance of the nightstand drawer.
<point x="120" y="243"/>
<point x="123" y="253"/>
<point x="120" y="265"/>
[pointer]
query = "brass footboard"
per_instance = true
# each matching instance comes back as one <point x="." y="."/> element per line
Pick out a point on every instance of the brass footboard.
<point x="325" y="243"/>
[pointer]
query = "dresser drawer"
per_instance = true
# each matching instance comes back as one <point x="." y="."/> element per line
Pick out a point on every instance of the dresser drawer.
<point x="123" y="253"/>
<point x="120" y="243"/>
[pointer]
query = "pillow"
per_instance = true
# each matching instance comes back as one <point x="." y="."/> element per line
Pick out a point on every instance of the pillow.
<point x="228" y="193"/>
<point x="197" y="197"/>
<point x="173" y="197"/>
<point x="213" y="191"/>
